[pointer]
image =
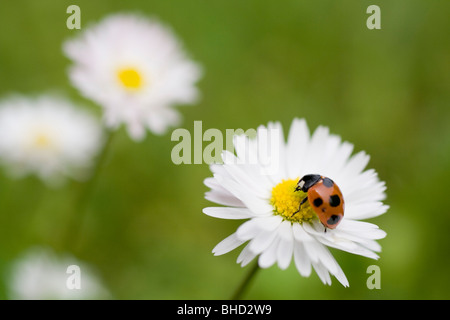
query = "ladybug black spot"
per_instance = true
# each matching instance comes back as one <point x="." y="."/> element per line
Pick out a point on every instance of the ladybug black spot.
<point x="335" y="200"/>
<point x="317" y="202"/>
<point x="333" y="219"/>
<point x="327" y="182"/>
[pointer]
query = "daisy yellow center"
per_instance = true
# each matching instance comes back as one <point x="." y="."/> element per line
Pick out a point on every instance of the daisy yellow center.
<point x="286" y="202"/>
<point x="41" y="141"/>
<point x="130" y="78"/>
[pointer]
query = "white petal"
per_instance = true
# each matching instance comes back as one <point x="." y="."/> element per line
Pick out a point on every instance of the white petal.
<point x="245" y="149"/>
<point x="297" y="147"/>
<point x="285" y="245"/>
<point x="364" y="210"/>
<point x="247" y="157"/>
<point x="327" y="260"/>
<point x="313" y="249"/>
<point x="351" y="247"/>
<point x="365" y="230"/>
<point x="340" y="158"/>
<point x="246" y="256"/>
<point x="372" y="245"/>
<point x="226" y="245"/>
<point x="350" y="184"/>
<point x="356" y="164"/>
<point x="300" y="234"/>
<point x="301" y="259"/>
<point x="324" y="275"/>
<point x="322" y="272"/>
<point x="269" y="256"/>
<point x="341" y="241"/>
<point x="271" y="151"/>
<point x="314" y="157"/>
<point x="238" y="173"/>
<point x="228" y="212"/>
<point x="223" y="198"/>
<point x="340" y="276"/>
<point x="254" y="203"/>
<point x="250" y="229"/>
<point x="262" y="241"/>
<point x="365" y="187"/>
<point x="220" y="195"/>
<point x="373" y="192"/>
<point x="328" y="166"/>
<point x="218" y="168"/>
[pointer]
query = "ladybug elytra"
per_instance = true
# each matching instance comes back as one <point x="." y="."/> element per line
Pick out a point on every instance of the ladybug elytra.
<point x="325" y="198"/>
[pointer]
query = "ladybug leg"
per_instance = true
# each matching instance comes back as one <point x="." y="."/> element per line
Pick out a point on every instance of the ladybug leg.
<point x="301" y="203"/>
<point x="304" y="200"/>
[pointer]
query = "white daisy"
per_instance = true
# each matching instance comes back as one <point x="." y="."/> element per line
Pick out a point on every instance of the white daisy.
<point x="47" y="136"/>
<point x="42" y="274"/>
<point x="279" y="229"/>
<point x="136" y="70"/>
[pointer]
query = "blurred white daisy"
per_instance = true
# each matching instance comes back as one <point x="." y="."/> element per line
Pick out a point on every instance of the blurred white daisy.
<point x="41" y="274"/>
<point x="47" y="136"/>
<point x="278" y="229"/>
<point x="136" y="70"/>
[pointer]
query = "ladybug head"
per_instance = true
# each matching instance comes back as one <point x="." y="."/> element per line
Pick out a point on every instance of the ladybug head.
<point x="307" y="181"/>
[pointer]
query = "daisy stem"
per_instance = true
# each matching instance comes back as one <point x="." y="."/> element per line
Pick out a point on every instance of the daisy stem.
<point x="245" y="283"/>
<point x="77" y="216"/>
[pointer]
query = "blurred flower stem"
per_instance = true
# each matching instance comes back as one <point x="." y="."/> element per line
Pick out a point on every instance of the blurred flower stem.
<point x="245" y="283"/>
<point x="77" y="216"/>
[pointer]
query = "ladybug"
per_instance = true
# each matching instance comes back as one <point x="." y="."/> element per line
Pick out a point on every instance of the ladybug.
<point x="325" y="198"/>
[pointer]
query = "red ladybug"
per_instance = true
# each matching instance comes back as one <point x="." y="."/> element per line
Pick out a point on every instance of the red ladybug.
<point x="325" y="198"/>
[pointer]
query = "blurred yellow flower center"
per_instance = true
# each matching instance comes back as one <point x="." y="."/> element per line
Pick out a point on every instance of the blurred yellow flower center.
<point x="286" y="202"/>
<point x="41" y="141"/>
<point x="130" y="78"/>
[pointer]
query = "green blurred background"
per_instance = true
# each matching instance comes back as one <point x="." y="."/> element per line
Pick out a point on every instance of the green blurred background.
<point x="386" y="91"/>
